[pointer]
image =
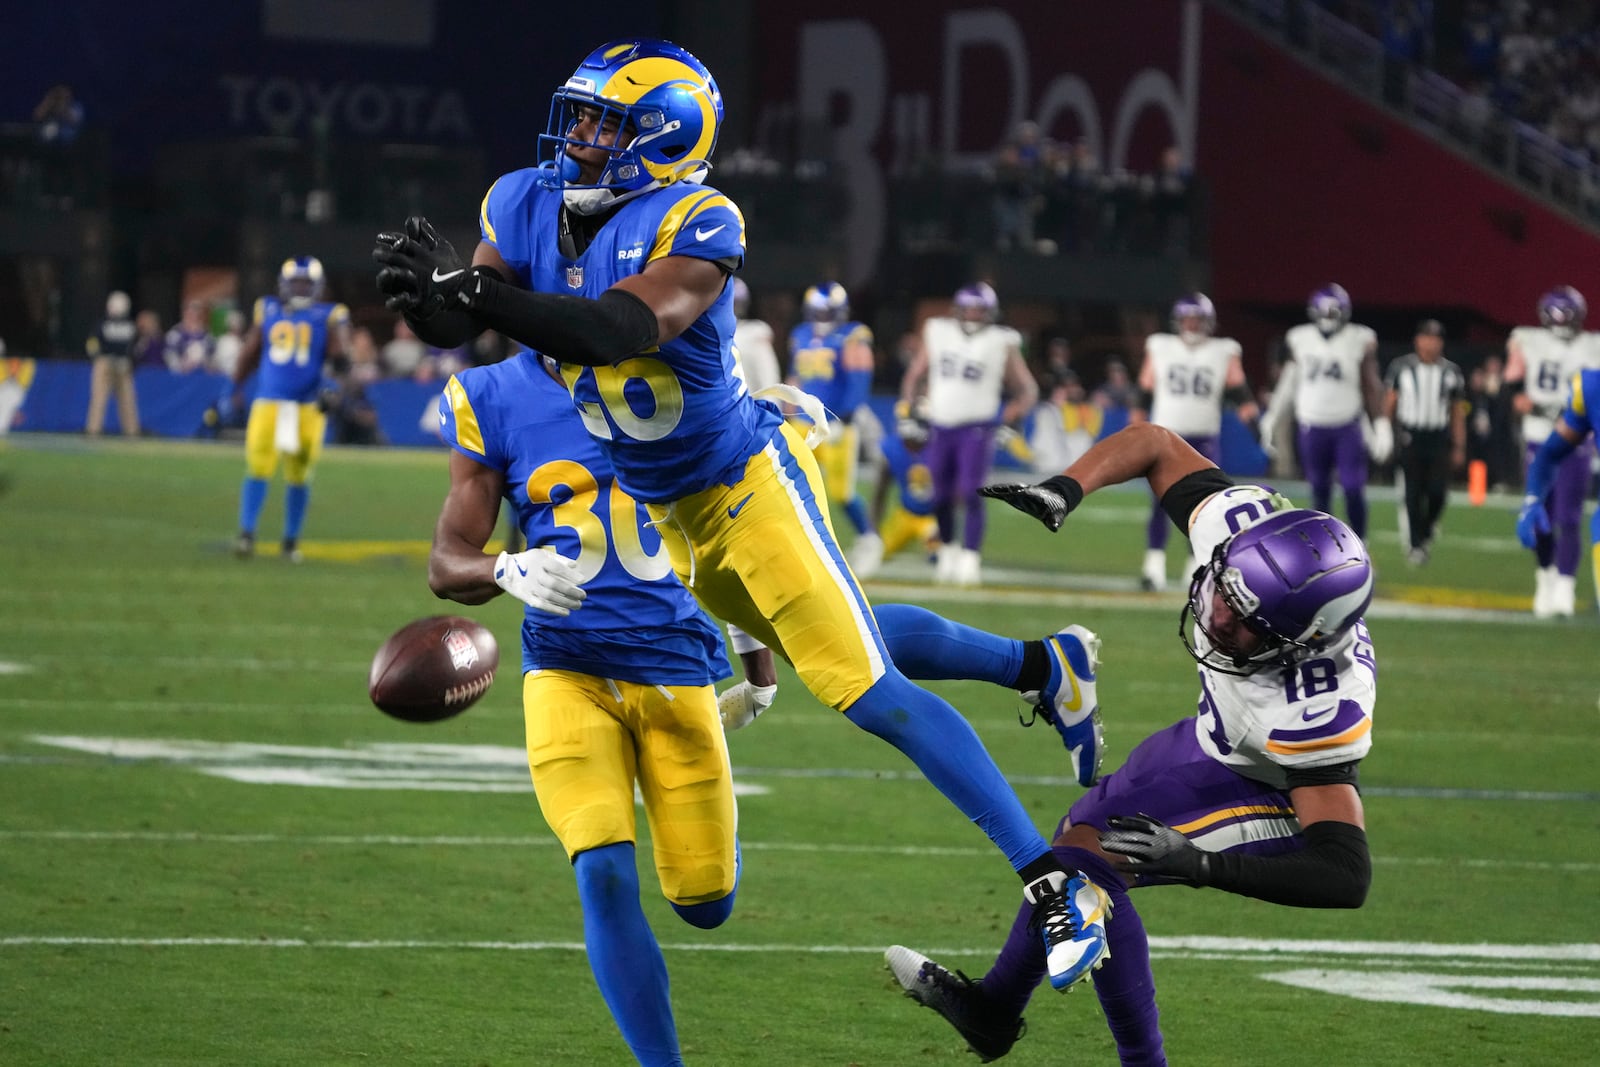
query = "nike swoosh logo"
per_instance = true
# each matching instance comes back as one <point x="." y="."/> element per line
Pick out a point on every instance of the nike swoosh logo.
<point x="522" y="570"/>
<point x="701" y="235"/>
<point x="446" y="277"/>
<point x="733" y="512"/>
<point x="1312" y="716"/>
<point x="1075" y="703"/>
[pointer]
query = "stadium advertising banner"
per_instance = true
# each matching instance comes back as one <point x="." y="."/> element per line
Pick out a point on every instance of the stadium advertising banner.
<point x="1306" y="181"/>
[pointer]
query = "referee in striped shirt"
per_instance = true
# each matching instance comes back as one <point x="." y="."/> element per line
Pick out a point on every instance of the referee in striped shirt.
<point x="1425" y="403"/>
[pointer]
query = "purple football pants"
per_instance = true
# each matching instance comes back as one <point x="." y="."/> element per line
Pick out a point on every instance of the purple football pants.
<point x="1169" y="777"/>
<point x="1562" y="545"/>
<point x="1326" y="449"/>
<point x="958" y="459"/>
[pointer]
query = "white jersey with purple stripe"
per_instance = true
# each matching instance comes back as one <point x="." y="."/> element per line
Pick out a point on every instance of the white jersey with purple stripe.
<point x="966" y="371"/>
<point x="1316" y="713"/>
<point x="1328" y="388"/>
<point x="1550" y="363"/>
<point x="1189" y="382"/>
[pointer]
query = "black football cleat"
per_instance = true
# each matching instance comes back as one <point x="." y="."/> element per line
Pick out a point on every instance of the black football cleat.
<point x="988" y="1031"/>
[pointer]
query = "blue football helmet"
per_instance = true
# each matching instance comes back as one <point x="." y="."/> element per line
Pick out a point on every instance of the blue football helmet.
<point x="976" y="306"/>
<point x="827" y="302"/>
<point x="1329" y="308"/>
<point x="1194" y="317"/>
<point x="1562" y="311"/>
<point x="300" y="281"/>
<point x="664" y="106"/>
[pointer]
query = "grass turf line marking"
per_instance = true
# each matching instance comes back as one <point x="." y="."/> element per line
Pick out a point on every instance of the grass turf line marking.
<point x="533" y="841"/>
<point x="1247" y="948"/>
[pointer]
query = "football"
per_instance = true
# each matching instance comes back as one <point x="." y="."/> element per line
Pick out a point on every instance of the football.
<point x="433" y="668"/>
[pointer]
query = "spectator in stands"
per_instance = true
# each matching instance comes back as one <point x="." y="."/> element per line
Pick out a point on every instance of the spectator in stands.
<point x="1018" y="177"/>
<point x="150" y="344"/>
<point x="189" y="346"/>
<point x="351" y="415"/>
<point x="225" y="355"/>
<point x="59" y="116"/>
<point x="404" y="354"/>
<point x="1116" y="392"/>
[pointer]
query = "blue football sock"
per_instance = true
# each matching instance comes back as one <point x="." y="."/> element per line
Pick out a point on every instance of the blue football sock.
<point x="295" y="499"/>
<point x="710" y="914"/>
<point x="925" y="645"/>
<point x="623" y="953"/>
<point x="856" y="509"/>
<point x="252" y="497"/>
<point x="947" y="751"/>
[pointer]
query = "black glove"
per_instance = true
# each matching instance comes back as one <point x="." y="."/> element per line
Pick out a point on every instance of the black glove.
<point x="1051" y="501"/>
<point x="422" y="274"/>
<point x="1151" y="847"/>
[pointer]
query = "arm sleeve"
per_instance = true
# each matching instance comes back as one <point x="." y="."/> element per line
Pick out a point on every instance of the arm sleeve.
<point x="572" y="329"/>
<point x="1333" y="870"/>
<point x="1188" y="492"/>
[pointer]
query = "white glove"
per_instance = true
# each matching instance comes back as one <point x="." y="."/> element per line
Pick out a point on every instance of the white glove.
<point x="1268" y="427"/>
<point x="541" y="579"/>
<point x="1378" y="435"/>
<point x="740" y="704"/>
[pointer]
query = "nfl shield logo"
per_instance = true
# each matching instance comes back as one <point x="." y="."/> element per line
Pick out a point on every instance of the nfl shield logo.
<point x="463" y="653"/>
<point x="574" y="277"/>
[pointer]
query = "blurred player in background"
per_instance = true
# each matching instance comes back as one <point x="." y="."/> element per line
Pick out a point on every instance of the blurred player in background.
<point x="898" y="469"/>
<point x="1541" y="362"/>
<point x="1254" y="794"/>
<point x="830" y="357"/>
<point x="970" y="362"/>
<point x="1329" y="384"/>
<point x="615" y="695"/>
<point x="16" y="377"/>
<point x="1573" y="428"/>
<point x="291" y="338"/>
<point x="753" y="338"/>
<point x="1186" y="378"/>
<point x="612" y="258"/>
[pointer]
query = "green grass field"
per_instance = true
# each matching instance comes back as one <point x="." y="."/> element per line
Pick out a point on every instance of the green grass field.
<point x="213" y="850"/>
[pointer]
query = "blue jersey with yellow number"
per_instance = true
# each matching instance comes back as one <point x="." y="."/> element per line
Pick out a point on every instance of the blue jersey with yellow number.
<point x="911" y="475"/>
<point x="294" y="344"/>
<point x="818" y="364"/>
<point x="1580" y="411"/>
<point x="674" y="419"/>
<point x="639" y="624"/>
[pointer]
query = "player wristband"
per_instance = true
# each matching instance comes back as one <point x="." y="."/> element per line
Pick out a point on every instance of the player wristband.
<point x="1067" y="488"/>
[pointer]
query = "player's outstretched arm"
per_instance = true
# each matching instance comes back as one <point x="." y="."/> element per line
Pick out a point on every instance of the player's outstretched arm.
<point x="1141" y="450"/>
<point x="740" y="704"/>
<point x="457" y="567"/>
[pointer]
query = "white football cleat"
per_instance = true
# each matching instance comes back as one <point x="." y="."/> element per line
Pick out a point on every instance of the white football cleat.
<point x="1153" y="579"/>
<point x="1070" y="913"/>
<point x="969" y="568"/>
<point x="1543" y="579"/>
<point x="866" y="555"/>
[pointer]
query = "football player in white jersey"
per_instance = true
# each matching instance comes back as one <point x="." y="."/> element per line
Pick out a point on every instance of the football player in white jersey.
<point x="1540" y="362"/>
<point x="1255" y="793"/>
<point x="1330" y="386"/>
<point x="1186" y="378"/>
<point x="971" y="362"/>
<point x="752" y="341"/>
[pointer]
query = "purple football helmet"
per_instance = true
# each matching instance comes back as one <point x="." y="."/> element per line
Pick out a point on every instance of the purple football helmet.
<point x="1562" y="310"/>
<point x="1298" y="579"/>
<point x="827" y="302"/>
<point x="976" y="306"/>
<point x="741" y="298"/>
<point x="1198" y="309"/>
<point x="1329" y="308"/>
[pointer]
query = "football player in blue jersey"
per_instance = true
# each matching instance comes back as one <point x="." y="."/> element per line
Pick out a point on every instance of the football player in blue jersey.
<point x="613" y="259"/>
<point x="291" y="337"/>
<point x="830" y="357"/>
<point x="1574" y="426"/>
<point x="614" y="695"/>
<point x="899" y="468"/>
